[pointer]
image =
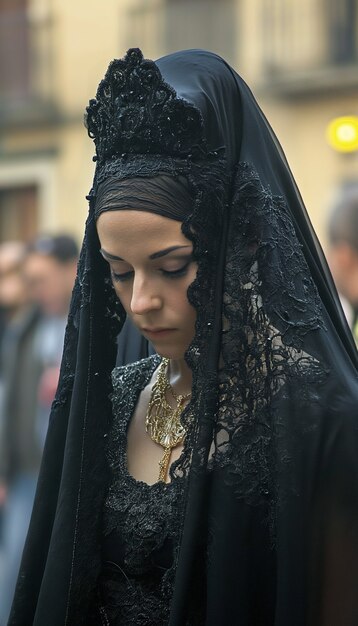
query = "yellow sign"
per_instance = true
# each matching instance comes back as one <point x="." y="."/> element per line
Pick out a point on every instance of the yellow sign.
<point x="342" y="133"/>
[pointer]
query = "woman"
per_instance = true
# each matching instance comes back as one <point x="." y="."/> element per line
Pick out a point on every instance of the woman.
<point x="214" y="483"/>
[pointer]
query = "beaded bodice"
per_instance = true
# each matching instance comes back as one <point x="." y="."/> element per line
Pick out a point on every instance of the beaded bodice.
<point x="140" y="522"/>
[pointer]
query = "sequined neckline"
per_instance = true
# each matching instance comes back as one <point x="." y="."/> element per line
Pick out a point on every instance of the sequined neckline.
<point x="128" y="382"/>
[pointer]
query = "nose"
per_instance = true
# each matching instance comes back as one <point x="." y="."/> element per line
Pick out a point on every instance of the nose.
<point x="145" y="297"/>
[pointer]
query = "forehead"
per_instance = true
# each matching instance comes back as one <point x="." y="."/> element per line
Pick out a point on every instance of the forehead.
<point x="125" y="228"/>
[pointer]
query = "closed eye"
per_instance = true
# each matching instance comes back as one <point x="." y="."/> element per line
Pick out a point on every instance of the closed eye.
<point x="119" y="278"/>
<point x="177" y="273"/>
<point x="181" y="271"/>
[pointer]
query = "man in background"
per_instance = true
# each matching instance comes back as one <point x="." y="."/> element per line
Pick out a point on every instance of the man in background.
<point x="343" y="252"/>
<point x="31" y="365"/>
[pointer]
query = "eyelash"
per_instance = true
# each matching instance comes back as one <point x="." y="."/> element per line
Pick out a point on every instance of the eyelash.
<point x="121" y="278"/>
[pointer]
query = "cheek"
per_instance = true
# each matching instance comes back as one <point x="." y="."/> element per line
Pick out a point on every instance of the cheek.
<point x="124" y="296"/>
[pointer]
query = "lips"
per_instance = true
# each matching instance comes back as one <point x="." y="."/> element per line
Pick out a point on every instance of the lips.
<point x="156" y="331"/>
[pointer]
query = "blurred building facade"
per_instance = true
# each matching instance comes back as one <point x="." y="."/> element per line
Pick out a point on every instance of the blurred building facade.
<point x="300" y="58"/>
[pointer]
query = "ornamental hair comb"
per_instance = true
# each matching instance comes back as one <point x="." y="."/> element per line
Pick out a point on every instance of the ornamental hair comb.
<point x="137" y="112"/>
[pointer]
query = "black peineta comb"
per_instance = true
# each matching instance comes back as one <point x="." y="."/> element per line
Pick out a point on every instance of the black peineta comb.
<point x="137" y="112"/>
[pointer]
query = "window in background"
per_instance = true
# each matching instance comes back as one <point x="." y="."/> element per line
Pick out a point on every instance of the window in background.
<point x="18" y="213"/>
<point x="14" y="50"/>
<point x="208" y="24"/>
<point x="26" y="55"/>
<point x="163" y="26"/>
<point x="343" y="30"/>
<point x="305" y="35"/>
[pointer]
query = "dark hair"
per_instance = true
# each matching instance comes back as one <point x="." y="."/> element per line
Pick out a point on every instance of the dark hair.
<point x="63" y="248"/>
<point x="161" y="194"/>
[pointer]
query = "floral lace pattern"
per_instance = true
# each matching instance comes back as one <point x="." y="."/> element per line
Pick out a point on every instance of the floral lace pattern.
<point x="263" y="350"/>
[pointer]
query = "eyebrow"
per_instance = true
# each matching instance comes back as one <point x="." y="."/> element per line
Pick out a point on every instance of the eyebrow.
<point x="155" y="255"/>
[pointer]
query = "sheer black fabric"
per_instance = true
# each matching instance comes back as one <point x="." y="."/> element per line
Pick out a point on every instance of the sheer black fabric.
<point x="165" y="195"/>
<point x="274" y="375"/>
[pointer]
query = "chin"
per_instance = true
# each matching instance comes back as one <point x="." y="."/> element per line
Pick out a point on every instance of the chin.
<point x="170" y="353"/>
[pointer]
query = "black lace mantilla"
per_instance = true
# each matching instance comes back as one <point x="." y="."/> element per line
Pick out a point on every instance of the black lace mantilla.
<point x="270" y="311"/>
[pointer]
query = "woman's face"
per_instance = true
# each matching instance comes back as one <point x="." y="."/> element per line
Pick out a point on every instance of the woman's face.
<point x="151" y="266"/>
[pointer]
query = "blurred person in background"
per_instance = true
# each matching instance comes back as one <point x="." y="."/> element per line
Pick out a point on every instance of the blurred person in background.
<point x="12" y="292"/>
<point x="343" y="252"/>
<point x="13" y="297"/>
<point x="31" y="364"/>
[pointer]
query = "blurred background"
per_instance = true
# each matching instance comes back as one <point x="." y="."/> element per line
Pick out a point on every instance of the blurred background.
<point x="300" y="58"/>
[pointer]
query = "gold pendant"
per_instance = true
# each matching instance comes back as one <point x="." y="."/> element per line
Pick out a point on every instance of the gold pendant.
<point x="163" y="422"/>
<point x="164" y="464"/>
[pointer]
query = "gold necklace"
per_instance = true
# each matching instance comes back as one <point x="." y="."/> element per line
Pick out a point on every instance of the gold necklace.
<point x="162" y="422"/>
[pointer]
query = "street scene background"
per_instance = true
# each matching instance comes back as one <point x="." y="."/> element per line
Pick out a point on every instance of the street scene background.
<point x="300" y="58"/>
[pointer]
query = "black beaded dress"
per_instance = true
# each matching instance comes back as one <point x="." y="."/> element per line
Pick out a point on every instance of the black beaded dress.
<point x="140" y="526"/>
